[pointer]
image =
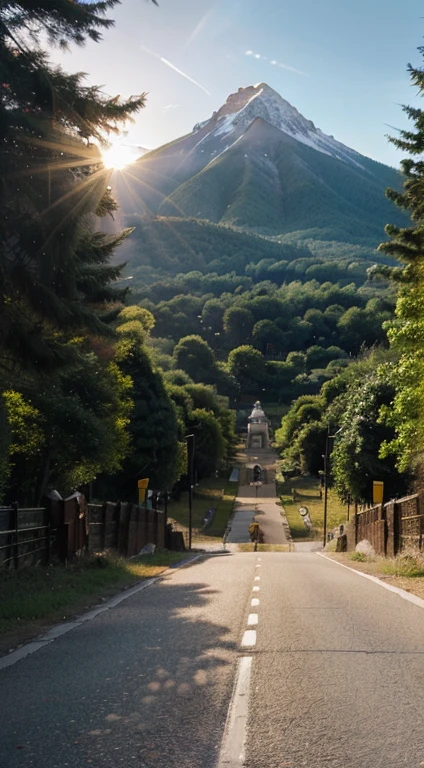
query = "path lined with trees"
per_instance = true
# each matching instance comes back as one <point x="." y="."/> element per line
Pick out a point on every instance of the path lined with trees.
<point x="257" y="502"/>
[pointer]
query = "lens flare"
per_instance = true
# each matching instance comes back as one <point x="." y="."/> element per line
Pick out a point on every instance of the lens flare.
<point x="117" y="156"/>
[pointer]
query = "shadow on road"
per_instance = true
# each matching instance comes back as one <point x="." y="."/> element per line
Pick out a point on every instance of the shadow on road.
<point x="143" y="682"/>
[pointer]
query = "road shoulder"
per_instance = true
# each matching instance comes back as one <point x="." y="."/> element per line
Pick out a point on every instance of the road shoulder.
<point x="409" y="588"/>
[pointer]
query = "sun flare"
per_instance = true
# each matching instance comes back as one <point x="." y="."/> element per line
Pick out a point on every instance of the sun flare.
<point x="117" y="156"/>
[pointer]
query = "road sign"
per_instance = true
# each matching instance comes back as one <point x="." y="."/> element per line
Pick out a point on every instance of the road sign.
<point x="377" y="491"/>
<point x="142" y="486"/>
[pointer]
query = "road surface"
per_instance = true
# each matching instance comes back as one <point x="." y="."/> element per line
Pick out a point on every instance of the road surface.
<point x="328" y="668"/>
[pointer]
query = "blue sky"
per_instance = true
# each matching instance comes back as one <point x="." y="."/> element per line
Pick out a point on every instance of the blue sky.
<point x="341" y="63"/>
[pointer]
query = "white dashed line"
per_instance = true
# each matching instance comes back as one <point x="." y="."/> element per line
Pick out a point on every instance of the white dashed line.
<point x="254" y="602"/>
<point x="257" y="578"/>
<point x="256" y="589"/>
<point x="232" y="747"/>
<point x="257" y="566"/>
<point x="252" y="619"/>
<point x="249" y="638"/>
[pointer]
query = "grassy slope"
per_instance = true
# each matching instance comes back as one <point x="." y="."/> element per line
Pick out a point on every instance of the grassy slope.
<point x="211" y="492"/>
<point x="170" y="246"/>
<point x="307" y="494"/>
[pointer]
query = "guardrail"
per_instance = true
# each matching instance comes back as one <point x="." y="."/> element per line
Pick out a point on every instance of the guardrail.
<point x="25" y="532"/>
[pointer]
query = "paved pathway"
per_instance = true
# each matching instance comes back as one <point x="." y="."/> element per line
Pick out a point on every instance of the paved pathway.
<point x="258" y="502"/>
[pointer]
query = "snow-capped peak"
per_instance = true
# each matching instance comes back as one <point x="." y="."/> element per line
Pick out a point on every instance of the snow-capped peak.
<point x="261" y="101"/>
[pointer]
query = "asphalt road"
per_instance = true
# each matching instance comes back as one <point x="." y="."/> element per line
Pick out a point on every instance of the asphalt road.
<point x="337" y="674"/>
<point x="147" y="683"/>
<point x="338" y="670"/>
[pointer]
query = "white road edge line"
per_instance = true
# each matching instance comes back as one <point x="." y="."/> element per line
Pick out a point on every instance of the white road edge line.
<point x="234" y="739"/>
<point x="397" y="590"/>
<point x="61" y="629"/>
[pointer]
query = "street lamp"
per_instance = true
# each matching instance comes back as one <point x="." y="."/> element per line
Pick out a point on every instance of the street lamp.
<point x="326" y="457"/>
<point x="190" y="440"/>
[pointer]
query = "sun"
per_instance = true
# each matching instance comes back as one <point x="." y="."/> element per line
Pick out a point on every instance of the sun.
<point x="117" y="156"/>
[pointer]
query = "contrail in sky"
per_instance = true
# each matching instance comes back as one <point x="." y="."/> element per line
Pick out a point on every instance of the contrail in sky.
<point x="172" y="66"/>
<point x="200" y="26"/>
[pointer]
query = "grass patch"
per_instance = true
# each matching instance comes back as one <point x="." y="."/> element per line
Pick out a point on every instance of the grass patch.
<point x="408" y="566"/>
<point x="224" y="511"/>
<point x="308" y="495"/>
<point x="211" y="492"/>
<point x="55" y="592"/>
<point x="250" y="547"/>
<point x="359" y="557"/>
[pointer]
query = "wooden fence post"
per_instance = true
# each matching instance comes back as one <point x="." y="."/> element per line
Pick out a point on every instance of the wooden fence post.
<point x="47" y="542"/>
<point x="396" y="528"/>
<point x="156" y="527"/>
<point x="14" y="506"/>
<point x="103" y="534"/>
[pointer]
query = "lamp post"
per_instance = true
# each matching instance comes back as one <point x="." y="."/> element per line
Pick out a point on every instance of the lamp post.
<point x="190" y="465"/>
<point x="326" y="458"/>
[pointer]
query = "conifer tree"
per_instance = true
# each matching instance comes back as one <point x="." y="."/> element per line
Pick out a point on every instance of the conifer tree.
<point x="54" y="266"/>
<point x="406" y="333"/>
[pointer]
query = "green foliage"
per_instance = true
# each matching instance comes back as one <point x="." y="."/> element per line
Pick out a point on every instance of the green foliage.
<point x="350" y="406"/>
<point x="105" y="410"/>
<point x="196" y="358"/>
<point x="238" y="323"/>
<point x="25" y="424"/>
<point x="139" y="314"/>
<point x="4" y="448"/>
<point x="406" y="332"/>
<point x="209" y="441"/>
<point x="65" y="433"/>
<point x="307" y="408"/>
<point x="355" y="458"/>
<point x="248" y="366"/>
<point x="153" y="428"/>
<point x="166" y="246"/>
<point x="54" y="266"/>
<point x="359" y="557"/>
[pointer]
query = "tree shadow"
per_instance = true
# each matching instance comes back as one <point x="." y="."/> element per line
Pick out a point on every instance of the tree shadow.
<point x="146" y="683"/>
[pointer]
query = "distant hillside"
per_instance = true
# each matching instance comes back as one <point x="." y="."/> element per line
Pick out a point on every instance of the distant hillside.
<point x="168" y="246"/>
<point x="161" y="248"/>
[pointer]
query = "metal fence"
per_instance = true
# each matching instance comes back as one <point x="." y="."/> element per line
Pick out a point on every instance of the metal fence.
<point x="26" y="536"/>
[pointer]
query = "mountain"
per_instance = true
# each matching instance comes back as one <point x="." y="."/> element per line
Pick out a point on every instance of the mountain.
<point x="258" y="165"/>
